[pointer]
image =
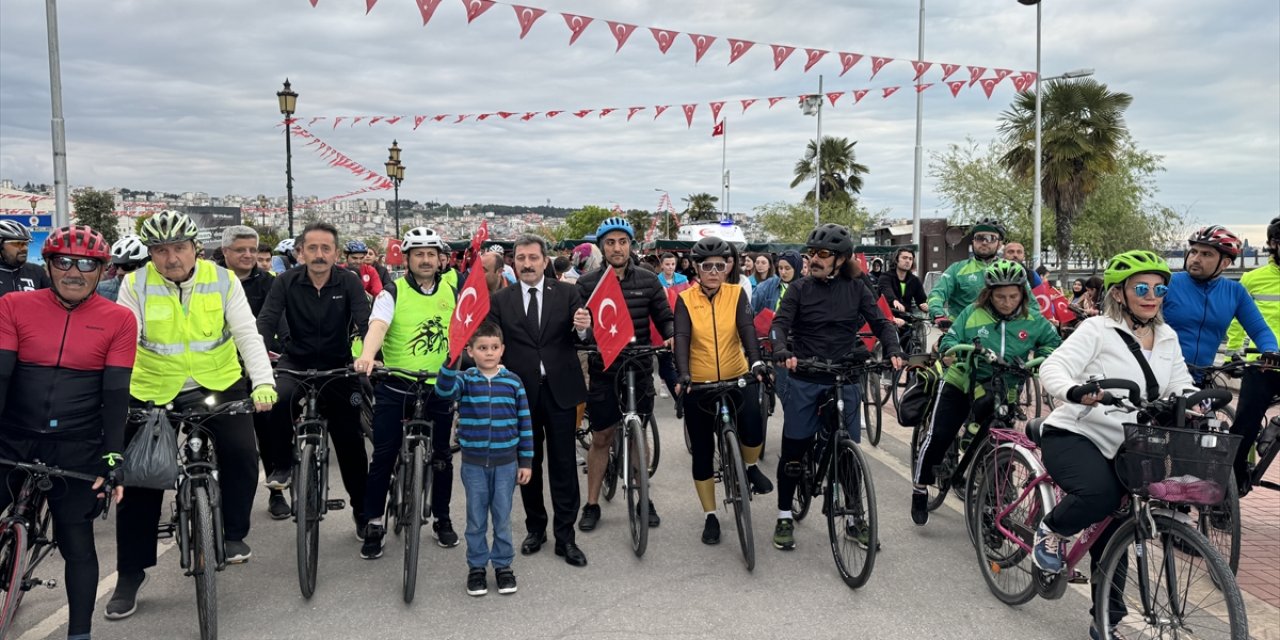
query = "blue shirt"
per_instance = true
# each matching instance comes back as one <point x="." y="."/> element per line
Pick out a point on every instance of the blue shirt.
<point x="1201" y="312"/>
<point x="678" y="278"/>
<point x="494" y="426"/>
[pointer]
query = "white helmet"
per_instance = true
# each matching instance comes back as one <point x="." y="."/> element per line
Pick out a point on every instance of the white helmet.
<point x="128" y="250"/>
<point x="496" y="248"/>
<point x="423" y="238"/>
<point x="285" y="247"/>
<point x="167" y="227"/>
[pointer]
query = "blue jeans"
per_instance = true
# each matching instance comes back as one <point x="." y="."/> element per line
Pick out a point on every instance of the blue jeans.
<point x="489" y="492"/>
<point x="800" y="408"/>
<point x="389" y="412"/>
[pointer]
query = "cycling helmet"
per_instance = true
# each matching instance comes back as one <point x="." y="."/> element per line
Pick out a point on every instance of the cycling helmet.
<point x="831" y="237"/>
<point x="1132" y="263"/>
<point x="167" y="227"/>
<point x="423" y="238"/>
<point x="356" y="246"/>
<point x="988" y="224"/>
<point x="710" y="247"/>
<point x="76" y="241"/>
<point x="285" y="247"/>
<point x="496" y="248"/>
<point x="615" y="224"/>
<point x="1273" y="230"/>
<point x="128" y="250"/>
<point x="1219" y="238"/>
<point x="1004" y="272"/>
<point x="11" y="230"/>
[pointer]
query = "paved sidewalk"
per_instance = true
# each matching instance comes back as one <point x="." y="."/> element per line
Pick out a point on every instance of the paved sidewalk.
<point x="1259" y="572"/>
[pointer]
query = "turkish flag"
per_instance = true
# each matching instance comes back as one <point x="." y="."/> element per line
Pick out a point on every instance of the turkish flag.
<point x="763" y="321"/>
<point x="718" y="130"/>
<point x="866" y="328"/>
<point x="473" y="306"/>
<point x="1053" y="305"/>
<point x="673" y="292"/>
<point x="611" y="321"/>
<point x="395" y="255"/>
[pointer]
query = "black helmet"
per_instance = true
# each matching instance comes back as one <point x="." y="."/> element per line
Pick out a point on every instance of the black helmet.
<point x="989" y="224"/>
<point x="711" y="247"/>
<point x="1273" y="230"/>
<point x="831" y="237"/>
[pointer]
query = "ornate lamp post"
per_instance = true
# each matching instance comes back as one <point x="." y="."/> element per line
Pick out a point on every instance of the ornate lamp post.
<point x="395" y="171"/>
<point x="288" y="104"/>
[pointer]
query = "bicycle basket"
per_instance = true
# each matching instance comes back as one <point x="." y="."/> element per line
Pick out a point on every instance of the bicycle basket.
<point x="1176" y="465"/>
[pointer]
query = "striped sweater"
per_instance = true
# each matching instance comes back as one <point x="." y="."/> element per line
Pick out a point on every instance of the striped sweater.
<point x="494" y="427"/>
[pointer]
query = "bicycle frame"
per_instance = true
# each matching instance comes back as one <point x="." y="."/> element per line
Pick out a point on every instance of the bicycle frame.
<point x="198" y="470"/>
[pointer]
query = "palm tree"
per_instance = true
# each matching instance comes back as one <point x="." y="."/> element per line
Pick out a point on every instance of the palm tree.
<point x="1082" y="135"/>
<point x="841" y="172"/>
<point x="702" y="206"/>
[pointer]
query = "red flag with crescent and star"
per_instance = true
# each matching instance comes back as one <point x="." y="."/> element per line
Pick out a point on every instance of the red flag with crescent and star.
<point x="611" y="321"/>
<point x="473" y="301"/>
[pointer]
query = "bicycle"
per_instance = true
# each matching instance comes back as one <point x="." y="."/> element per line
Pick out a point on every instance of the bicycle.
<point x="836" y="469"/>
<point x="731" y="470"/>
<point x="27" y="536"/>
<point x="1151" y="539"/>
<point x="874" y="382"/>
<point x="310" y="485"/>
<point x="916" y="329"/>
<point x="197" y="505"/>
<point x="409" y="504"/>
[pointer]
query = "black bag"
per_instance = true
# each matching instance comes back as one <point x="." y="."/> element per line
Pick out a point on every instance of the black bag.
<point x="919" y="394"/>
<point x="151" y="459"/>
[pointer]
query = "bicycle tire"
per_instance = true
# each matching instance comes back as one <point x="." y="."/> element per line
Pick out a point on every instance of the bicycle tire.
<point x="851" y="494"/>
<point x="613" y="467"/>
<point x="636" y="482"/>
<point x="937" y="490"/>
<point x="803" y="496"/>
<point x="1220" y="525"/>
<point x="13" y="563"/>
<point x="1265" y="458"/>
<point x="654" y="443"/>
<point x="737" y="495"/>
<point x="872" y="411"/>
<point x="306" y="507"/>
<point x="895" y="391"/>
<point x="395" y="497"/>
<point x="1006" y="567"/>
<point x="1172" y="536"/>
<point x="204" y="563"/>
<point x="413" y="522"/>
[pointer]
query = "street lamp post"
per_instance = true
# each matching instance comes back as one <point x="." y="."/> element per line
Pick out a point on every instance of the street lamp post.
<point x="395" y="171"/>
<point x="919" y="157"/>
<point x="288" y="105"/>
<point x="812" y="105"/>
<point x="262" y="210"/>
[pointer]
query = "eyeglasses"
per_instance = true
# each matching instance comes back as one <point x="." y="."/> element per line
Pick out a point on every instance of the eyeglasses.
<point x="1142" y="289"/>
<point x="986" y="237"/>
<point x="716" y="267"/>
<point x="21" y="244"/>
<point x="83" y="265"/>
<point x="820" y="253"/>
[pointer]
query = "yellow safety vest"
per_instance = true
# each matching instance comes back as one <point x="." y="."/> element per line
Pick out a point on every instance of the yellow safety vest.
<point x="715" y="350"/>
<point x="179" y="343"/>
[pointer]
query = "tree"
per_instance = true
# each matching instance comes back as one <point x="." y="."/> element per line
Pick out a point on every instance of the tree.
<point x="137" y="223"/>
<point x="792" y="222"/>
<point x="585" y="221"/>
<point x="1083" y="132"/>
<point x="702" y="206"/>
<point x="270" y="236"/>
<point x="97" y="209"/>
<point x="841" y="172"/>
<point x="640" y="220"/>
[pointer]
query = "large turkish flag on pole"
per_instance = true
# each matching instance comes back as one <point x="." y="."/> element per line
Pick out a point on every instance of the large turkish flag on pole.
<point x="473" y="301"/>
<point x="611" y="320"/>
<point x="1052" y="303"/>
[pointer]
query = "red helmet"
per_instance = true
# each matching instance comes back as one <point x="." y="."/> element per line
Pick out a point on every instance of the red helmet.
<point x="78" y="242"/>
<point x="1219" y="238"/>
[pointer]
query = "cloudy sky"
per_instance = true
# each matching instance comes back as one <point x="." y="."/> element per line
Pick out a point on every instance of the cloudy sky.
<point x="180" y="96"/>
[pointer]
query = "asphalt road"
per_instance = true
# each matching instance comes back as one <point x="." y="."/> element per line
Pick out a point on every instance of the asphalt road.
<point x="926" y="582"/>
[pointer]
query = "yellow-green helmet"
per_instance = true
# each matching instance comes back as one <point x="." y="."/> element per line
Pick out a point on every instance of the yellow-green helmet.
<point x="1004" y="272"/>
<point x="1131" y="263"/>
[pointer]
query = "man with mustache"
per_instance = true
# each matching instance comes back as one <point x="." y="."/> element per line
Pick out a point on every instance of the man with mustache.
<point x="16" y="274"/>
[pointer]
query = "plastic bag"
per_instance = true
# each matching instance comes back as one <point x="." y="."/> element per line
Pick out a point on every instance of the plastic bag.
<point x="151" y="459"/>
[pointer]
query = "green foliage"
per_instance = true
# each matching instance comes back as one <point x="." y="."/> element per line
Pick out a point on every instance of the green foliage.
<point x="701" y="206"/>
<point x="97" y="209"/>
<point x="792" y="222"/>
<point x="137" y="223"/>
<point x="268" y="235"/>
<point x="585" y="221"/>
<point x="841" y="172"/>
<point x="640" y="220"/>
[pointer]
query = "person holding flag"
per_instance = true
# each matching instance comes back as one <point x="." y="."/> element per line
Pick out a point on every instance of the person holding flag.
<point x="618" y="285"/>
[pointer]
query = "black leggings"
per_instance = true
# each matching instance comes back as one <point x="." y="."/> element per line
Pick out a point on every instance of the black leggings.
<point x="699" y="419"/>
<point x="950" y="413"/>
<point x="1258" y="390"/>
<point x="789" y="468"/>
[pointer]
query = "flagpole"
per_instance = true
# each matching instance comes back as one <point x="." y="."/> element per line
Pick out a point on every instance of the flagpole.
<point x="724" y="150"/>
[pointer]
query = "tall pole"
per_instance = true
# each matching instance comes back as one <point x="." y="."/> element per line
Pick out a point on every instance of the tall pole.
<point x="62" y="211"/>
<point x="724" y="181"/>
<point x="1035" y="204"/>
<point x="396" y="231"/>
<point x="817" y="161"/>
<point x="915" y="187"/>
<point x="288" y="172"/>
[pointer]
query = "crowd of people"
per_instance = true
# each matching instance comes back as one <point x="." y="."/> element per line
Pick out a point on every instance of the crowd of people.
<point x="99" y="329"/>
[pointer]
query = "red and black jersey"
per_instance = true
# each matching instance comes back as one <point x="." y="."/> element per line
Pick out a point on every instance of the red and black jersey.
<point x="60" y="370"/>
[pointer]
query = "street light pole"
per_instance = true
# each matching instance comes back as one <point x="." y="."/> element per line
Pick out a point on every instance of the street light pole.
<point x="395" y="171"/>
<point x="919" y="159"/>
<point x="812" y="105"/>
<point x="62" y="211"/>
<point x="1036" y="230"/>
<point x="288" y="105"/>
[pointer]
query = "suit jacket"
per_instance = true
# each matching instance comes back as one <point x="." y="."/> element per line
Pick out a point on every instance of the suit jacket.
<point x="553" y="346"/>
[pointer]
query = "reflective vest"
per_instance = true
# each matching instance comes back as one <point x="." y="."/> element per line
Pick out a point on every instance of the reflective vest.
<point x="418" y="336"/>
<point x="178" y="343"/>
<point x="715" y="350"/>
<point x="1263" y="285"/>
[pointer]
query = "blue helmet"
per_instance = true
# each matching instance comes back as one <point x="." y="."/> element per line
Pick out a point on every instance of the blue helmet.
<point x="356" y="246"/>
<point x="615" y="224"/>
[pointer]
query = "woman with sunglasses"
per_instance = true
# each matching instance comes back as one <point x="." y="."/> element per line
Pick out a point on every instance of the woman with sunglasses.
<point x="715" y="341"/>
<point x="1079" y="440"/>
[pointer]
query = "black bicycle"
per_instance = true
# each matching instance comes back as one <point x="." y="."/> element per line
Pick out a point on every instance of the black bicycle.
<point x="917" y="331"/>
<point x="409" y="505"/>
<point x="731" y="470"/>
<point x="27" y="535"/>
<point x="197" y="507"/>
<point x="836" y="469"/>
<point x="310" y="485"/>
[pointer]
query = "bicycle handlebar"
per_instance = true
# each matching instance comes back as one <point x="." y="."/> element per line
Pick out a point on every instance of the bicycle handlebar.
<point x="108" y="485"/>
<point x="384" y="371"/>
<point x="319" y="373"/>
<point x="197" y="412"/>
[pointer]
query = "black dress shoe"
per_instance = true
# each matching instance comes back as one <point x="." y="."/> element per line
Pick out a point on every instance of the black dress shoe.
<point x="533" y="543"/>
<point x="572" y="554"/>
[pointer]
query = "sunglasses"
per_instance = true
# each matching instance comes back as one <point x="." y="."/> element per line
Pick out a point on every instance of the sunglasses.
<point x="1142" y="289"/>
<point x="820" y="253"/>
<point x="986" y="237"/>
<point x="716" y="267"/>
<point x="83" y="265"/>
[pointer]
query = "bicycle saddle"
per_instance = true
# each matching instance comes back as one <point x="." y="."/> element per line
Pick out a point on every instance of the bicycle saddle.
<point x="1035" y="429"/>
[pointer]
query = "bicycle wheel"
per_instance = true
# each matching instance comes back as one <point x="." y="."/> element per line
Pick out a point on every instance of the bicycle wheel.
<point x="13" y="569"/>
<point x="1172" y="586"/>
<point x="803" y="496"/>
<point x="654" y="443"/>
<point x="938" y="490"/>
<point x="1220" y="525"/>
<point x="872" y="411"/>
<point x="737" y="495"/>
<point x="1006" y="562"/>
<point x="413" y="520"/>
<point x="395" y="498"/>
<point x="898" y="385"/>
<point x="613" y="467"/>
<point x="851" y="515"/>
<point x="306" y="506"/>
<point x="204" y="563"/>
<point x="636" y="481"/>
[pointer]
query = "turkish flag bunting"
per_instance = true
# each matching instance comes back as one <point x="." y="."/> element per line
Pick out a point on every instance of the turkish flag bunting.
<point x="921" y="87"/>
<point x="747" y="103"/>
<point x="665" y="38"/>
<point x="700" y="45"/>
<point x="1024" y="81"/>
<point x="948" y="69"/>
<point x="313" y="3"/>
<point x="715" y="110"/>
<point x="395" y="256"/>
<point x="313" y="120"/>
<point x="527" y="16"/>
<point x="621" y="31"/>
<point x="427" y="8"/>
<point x="921" y="67"/>
<point x="439" y="118"/>
<point x="505" y="114"/>
<point x="476" y="7"/>
<point x="718" y="130"/>
<point x="888" y="91"/>
<point x="472" y="307"/>
<point x="737" y="48"/>
<point x="833" y="96"/>
<point x="633" y="110"/>
<point x="883" y="305"/>
<point x="484" y="116"/>
<point x="975" y="73"/>
<point x="1001" y="74"/>
<point x="356" y="120"/>
<point x="658" y="109"/>
<point x="583" y="113"/>
<point x="776" y="100"/>
<point x="1052" y="303"/>
<point x="552" y="114"/>
<point x="688" y="112"/>
<point x="780" y="54"/>
<point x="529" y="116"/>
<point x="462" y="117"/>
<point x="989" y="85"/>
<point x="611" y="321"/>
<point x="878" y="63"/>
<point x="859" y="94"/>
<point x="763" y="321"/>
<point x="847" y="60"/>
<point x="814" y="56"/>
<point x="605" y="112"/>
<point x="338" y="120"/>
<point x="374" y="120"/>
<point x="956" y="86"/>
<point x="577" y="24"/>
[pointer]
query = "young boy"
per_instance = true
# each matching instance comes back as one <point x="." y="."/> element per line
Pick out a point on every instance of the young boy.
<point x="496" y="435"/>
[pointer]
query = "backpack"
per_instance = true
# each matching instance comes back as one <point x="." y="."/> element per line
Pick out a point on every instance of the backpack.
<point x="919" y="394"/>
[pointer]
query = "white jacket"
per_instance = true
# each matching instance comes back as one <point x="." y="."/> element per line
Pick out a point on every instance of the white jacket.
<point x="1096" y="350"/>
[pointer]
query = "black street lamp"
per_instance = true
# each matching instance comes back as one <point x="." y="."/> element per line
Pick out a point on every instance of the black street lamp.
<point x="288" y="104"/>
<point x="395" y="171"/>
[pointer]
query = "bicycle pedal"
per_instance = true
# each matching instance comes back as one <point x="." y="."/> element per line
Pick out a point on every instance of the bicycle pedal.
<point x="48" y="584"/>
<point x="335" y="505"/>
<point x="165" y="531"/>
<point x="1078" y="578"/>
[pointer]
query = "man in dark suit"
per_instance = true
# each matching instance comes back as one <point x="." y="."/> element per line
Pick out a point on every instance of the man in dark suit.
<point x="541" y="319"/>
